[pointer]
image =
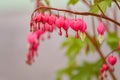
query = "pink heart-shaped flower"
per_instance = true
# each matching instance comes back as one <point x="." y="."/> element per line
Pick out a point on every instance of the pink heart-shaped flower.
<point x="101" y="28"/>
<point x="52" y="19"/>
<point x="112" y="59"/>
<point x="31" y="38"/>
<point x="59" y="22"/>
<point x="39" y="17"/>
<point x="45" y="18"/>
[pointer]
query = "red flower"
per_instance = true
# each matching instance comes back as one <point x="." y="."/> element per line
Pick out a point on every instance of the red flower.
<point x="101" y="30"/>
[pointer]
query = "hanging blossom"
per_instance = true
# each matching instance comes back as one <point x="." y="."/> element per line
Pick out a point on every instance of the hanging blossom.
<point x="47" y="23"/>
<point x="103" y="71"/>
<point x="111" y="61"/>
<point x="100" y="30"/>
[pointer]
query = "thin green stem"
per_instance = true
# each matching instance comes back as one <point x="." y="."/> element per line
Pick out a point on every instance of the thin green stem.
<point x="112" y="52"/>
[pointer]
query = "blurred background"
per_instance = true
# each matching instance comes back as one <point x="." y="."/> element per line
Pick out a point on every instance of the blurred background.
<point x="14" y="26"/>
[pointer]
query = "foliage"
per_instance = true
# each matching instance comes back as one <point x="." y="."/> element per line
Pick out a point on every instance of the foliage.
<point x="104" y="4"/>
<point x="73" y="46"/>
<point x="72" y="2"/>
<point x="112" y="40"/>
<point x="86" y="71"/>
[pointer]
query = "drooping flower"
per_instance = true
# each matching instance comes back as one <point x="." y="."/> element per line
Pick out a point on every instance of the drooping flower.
<point x="39" y="33"/>
<point x="31" y="38"/>
<point x="51" y="22"/>
<point x="59" y="23"/>
<point x="105" y="67"/>
<point x="45" y="18"/>
<point x="35" y="19"/>
<point x="39" y="17"/>
<point x="66" y="26"/>
<point x="52" y="19"/>
<point x="74" y="24"/>
<point x="100" y="30"/>
<point x="79" y="25"/>
<point x="112" y="59"/>
<point x="47" y="27"/>
<point x="83" y="28"/>
<point x="103" y="71"/>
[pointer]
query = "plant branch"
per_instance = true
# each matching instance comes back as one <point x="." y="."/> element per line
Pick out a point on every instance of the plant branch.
<point x="115" y="18"/>
<point x="117" y="4"/>
<point x="78" y="13"/>
<point x="101" y="10"/>
<point x="112" y="52"/>
<point x="94" y="42"/>
<point x="93" y="26"/>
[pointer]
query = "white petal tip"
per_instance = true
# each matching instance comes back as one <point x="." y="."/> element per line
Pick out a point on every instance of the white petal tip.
<point x="82" y="36"/>
<point x="100" y="38"/>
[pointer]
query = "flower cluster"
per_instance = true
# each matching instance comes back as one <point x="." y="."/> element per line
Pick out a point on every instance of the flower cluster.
<point x="111" y="59"/>
<point x="45" y="23"/>
<point x="33" y="43"/>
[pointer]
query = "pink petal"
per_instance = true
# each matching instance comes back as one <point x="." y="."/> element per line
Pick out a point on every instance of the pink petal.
<point x="101" y="28"/>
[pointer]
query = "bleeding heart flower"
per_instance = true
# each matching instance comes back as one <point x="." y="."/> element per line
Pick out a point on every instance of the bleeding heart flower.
<point x="31" y="38"/>
<point x="35" y="46"/>
<point x="39" y="33"/>
<point x="112" y="59"/>
<point x="39" y="17"/>
<point x="47" y="27"/>
<point x="83" y="28"/>
<point x="66" y="26"/>
<point x="102" y="70"/>
<point x="101" y="30"/>
<point x="105" y="67"/>
<point x="59" y="23"/>
<point x="83" y="25"/>
<point x="35" y="19"/>
<point x="45" y="18"/>
<point x="52" y="19"/>
<point x="74" y="24"/>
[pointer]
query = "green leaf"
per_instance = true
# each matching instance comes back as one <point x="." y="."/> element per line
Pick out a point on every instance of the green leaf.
<point x="72" y="2"/>
<point x="104" y="4"/>
<point x="74" y="46"/>
<point x="112" y="40"/>
<point x="118" y="0"/>
<point x="87" y="71"/>
<point x="47" y="2"/>
<point x="83" y="72"/>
